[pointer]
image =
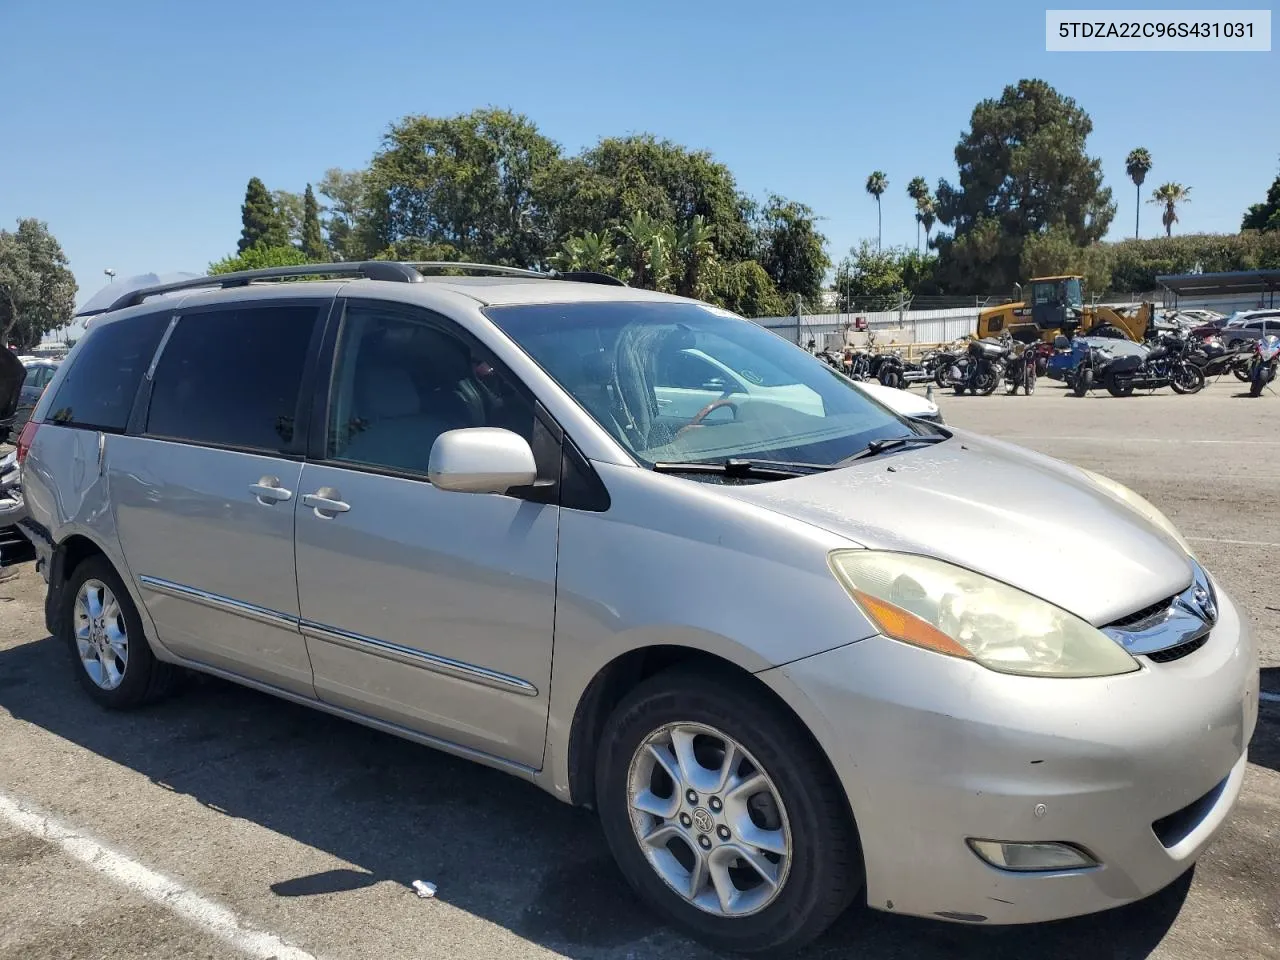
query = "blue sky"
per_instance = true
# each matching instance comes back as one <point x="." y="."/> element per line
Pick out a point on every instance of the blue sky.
<point x="131" y="127"/>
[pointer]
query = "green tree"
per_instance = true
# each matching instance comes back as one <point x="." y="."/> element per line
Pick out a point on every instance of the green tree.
<point x="261" y="223"/>
<point x="1265" y="216"/>
<point x="475" y="182"/>
<point x="313" y="245"/>
<point x="289" y="210"/>
<point x="1022" y="169"/>
<point x="877" y="184"/>
<point x="927" y="214"/>
<point x="791" y="249"/>
<point x="1169" y="195"/>
<point x="871" y="273"/>
<point x="590" y="251"/>
<point x="1137" y="165"/>
<point x="620" y="177"/>
<point x="918" y="191"/>
<point x="695" y="254"/>
<point x="348" y="209"/>
<point x="259" y="257"/>
<point x="746" y="289"/>
<point x="1054" y="253"/>
<point x="644" y="251"/>
<point x="37" y="289"/>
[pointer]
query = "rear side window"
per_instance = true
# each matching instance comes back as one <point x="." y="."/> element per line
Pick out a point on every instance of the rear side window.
<point x="97" y="392"/>
<point x="233" y="378"/>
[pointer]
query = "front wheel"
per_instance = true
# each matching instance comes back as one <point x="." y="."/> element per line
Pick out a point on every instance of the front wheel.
<point x="722" y="813"/>
<point x="1119" y="386"/>
<point x="1187" y="378"/>
<point x="1084" y="381"/>
<point x="1241" y="371"/>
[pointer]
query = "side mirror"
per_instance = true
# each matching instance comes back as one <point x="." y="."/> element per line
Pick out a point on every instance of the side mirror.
<point x="1061" y="343"/>
<point x="481" y="460"/>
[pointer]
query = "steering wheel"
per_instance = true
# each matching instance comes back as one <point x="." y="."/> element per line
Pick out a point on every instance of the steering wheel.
<point x="707" y="411"/>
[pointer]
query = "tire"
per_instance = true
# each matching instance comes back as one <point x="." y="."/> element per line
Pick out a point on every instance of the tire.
<point x="1119" y="386"/>
<point x="823" y="870"/>
<point x="1187" y="379"/>
<point x="1257" y="380"/>
<point x="1042" y="366"/>
<point x="959" y="388"/>
<point x="890" y="378"/>
<point x="1011" y="387"/>
<point x="143" y="678"/>
<point x="1084" y="381"/>
<point x="987" y="384"/>
<point x="940" y="375"/>
<point x="1242" y="372"/>
<point x="1029" y="383"/>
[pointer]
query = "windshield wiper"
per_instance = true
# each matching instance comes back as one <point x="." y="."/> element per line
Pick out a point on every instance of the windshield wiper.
<point x="876" y="447"/>
<point x="737" y="467"/>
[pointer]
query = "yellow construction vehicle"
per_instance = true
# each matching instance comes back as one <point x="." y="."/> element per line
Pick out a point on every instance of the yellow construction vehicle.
<point x="1056" y="306"/>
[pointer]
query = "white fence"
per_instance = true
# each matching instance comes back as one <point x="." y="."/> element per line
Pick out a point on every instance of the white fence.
<point x="899" y="326"/>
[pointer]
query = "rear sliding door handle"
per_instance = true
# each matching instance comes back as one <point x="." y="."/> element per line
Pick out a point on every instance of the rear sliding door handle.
<point x="269" y="491"/>
<point x="326" y="502"/>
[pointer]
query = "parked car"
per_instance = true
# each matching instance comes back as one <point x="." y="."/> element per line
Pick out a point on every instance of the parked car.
<point x="801" y="655"/>
<point x="37" y="373"/>
<point x="1249" y="326"/>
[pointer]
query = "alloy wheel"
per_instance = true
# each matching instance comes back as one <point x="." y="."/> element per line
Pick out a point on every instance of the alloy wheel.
<point x="709" y="820"/>
<point x="102" y="638"/>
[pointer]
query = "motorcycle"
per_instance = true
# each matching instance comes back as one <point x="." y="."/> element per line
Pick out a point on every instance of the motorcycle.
<point x="1021" y="371"/>
<point x="981" y="368"/>
<point x="890" y="369"/>
<point x="1165" y="365"/>
<point x="1262" y="369"/>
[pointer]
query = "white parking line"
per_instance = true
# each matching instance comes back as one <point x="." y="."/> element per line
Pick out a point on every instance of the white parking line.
<point x="201" y="912"/>
<point x="1242" y="543"/>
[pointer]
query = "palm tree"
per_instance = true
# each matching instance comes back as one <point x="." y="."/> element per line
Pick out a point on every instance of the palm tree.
<point x="877" y="184"/>
<point x="1138" y="165"/>
<point x="590" y="251"/>
<point x="696" y="254"/>
<point x="643" y="250"/>
<point x="917" y="190"/>
<point x="1170" y="195"/>
<point x="926" y="215"/>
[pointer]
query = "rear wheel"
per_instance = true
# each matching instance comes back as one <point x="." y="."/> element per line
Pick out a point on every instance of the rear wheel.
<point x="723" y="815"/>
<point x="1241" y="370"/>
<point x="1119" y="386"/>
<point x="103" y="632"/>
<point x="1258" y="381"/>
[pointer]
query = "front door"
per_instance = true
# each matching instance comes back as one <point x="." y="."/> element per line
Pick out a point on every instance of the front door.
<point x="425" y="608"/>
<point x="204" y="496"/>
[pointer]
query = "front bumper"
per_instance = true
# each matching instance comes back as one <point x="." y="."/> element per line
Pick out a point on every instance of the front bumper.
<point x="1139" y="770"/>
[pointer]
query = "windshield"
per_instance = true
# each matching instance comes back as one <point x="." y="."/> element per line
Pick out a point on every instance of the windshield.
<point x="1075" y="292"/>
<point x="685" y="383"/>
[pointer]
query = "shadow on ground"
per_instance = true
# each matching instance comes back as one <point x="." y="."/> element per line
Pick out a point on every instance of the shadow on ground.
<point x="398" y="812"/>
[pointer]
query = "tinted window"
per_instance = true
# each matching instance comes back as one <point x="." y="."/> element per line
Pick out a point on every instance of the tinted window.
<point x="233" y="377"/>
<point x="98" y="390"/>
<point x="402" y="378"/>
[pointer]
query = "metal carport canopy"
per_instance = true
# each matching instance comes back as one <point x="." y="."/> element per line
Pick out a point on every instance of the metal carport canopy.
<point x="1221" y="284"/>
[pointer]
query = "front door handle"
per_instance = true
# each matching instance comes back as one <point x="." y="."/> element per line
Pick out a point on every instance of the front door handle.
<point x="269" y="491"/>
<point x="327" y="502"/>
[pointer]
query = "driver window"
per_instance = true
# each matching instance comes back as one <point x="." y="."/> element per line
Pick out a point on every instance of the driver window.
<point x="404" y="377"/>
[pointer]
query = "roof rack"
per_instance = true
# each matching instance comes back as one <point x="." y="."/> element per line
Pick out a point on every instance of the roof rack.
<point x="368" y="269"/>
<point x="393" y="270"/>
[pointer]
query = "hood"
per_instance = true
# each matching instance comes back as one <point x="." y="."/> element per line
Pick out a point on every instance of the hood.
<point x="1017" y="516"/>
<point x="902" y="402"/>
<point x="12" y="373"/>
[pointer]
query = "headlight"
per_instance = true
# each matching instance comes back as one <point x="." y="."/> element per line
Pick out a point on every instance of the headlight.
<point x="953" y="611"/>
<point x="1140" y="505"/>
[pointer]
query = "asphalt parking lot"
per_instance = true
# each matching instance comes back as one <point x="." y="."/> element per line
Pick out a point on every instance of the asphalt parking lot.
<point x="293" y="834"/>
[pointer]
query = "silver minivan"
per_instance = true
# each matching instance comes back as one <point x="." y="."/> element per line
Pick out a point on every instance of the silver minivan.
<point x="793" y="647"/>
